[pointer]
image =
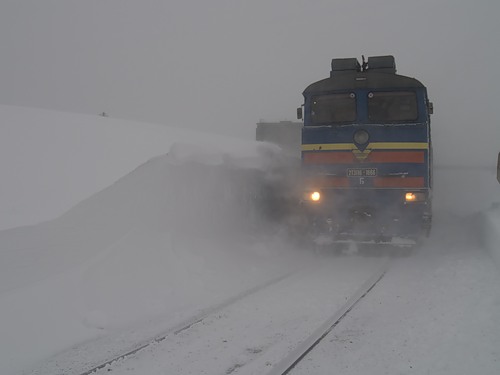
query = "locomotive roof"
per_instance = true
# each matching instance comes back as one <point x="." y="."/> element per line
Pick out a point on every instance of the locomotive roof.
<point x="367" y="79"/>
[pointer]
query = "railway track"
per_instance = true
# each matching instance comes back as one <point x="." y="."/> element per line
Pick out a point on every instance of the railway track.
<point x="266" y="329"/>
<point x="287" y="364"/>
<point x="185" y="325"/>
<point x="65" y="364"/>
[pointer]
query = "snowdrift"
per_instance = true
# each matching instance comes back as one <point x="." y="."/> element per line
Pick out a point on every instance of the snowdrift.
<point x="178" y="233"/>
<point x="50" y="161"/>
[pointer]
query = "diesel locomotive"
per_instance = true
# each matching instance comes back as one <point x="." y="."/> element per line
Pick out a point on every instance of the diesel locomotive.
<point x="366" y="154"/>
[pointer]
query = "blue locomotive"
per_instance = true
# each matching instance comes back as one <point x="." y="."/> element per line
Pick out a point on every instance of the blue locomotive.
<point x="366" y="153"/>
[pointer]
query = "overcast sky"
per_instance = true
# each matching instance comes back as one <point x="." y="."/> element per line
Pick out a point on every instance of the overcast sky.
<point x="222" y="65"/>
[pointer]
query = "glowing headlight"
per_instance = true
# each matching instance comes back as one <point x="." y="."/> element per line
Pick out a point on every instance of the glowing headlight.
<point x="414" y="197"/>
<point x="314" y="196"/>
<point x="410" y="197"/>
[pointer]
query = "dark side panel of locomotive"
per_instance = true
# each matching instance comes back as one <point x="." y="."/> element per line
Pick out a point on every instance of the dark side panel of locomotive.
<point x="366" y="152"/>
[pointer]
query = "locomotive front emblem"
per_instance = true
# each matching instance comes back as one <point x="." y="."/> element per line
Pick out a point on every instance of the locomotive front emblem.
<point x="361" y="155"/>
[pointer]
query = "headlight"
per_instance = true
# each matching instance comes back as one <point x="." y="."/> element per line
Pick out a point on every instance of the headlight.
<point x="314" y="196"/>
<point x="414" y="197"/>
<point x="361" y="137"/>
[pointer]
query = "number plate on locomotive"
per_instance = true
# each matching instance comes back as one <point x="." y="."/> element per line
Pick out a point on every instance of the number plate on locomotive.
<point x="361" y="172"/>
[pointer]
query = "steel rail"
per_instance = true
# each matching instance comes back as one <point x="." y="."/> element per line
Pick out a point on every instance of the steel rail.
<point x="288" y="363"/>
<point x="205" y="313"/>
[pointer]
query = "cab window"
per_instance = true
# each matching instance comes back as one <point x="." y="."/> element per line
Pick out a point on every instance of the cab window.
<point x="333" y="108"/>
<point x="399" y="106"/>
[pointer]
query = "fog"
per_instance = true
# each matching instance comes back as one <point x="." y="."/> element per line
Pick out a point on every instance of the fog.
<point x="223" y="65"/>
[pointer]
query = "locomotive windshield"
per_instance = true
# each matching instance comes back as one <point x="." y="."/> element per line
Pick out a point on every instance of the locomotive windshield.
<point x="398" y="106"/>
<point x="334" y="108"/>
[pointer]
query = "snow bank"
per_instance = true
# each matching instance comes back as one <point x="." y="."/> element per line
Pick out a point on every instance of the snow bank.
<point x="50" y="161"/>
<point x="179" y="233"/>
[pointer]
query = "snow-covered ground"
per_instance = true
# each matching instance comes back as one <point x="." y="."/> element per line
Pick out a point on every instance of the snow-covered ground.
<point x="181" y="232"/>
